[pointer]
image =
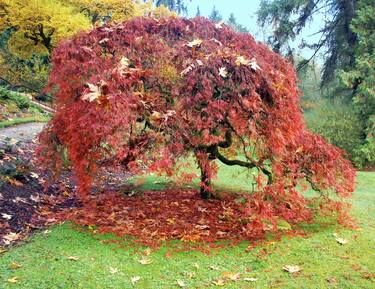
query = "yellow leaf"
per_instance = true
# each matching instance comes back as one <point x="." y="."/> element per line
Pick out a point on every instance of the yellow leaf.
<point x="342" y="241"/>
<point x="181" y="283"/>
<point x="10" y="238"/>
<point x="113" y="270"/>
<point x="15" y="266"/>
<point x="15" y="182"/>
<point x="145" y="260"/>
<point x="73" y="258"/>
<point x="13" y="280"/>
<point x="135" y="279"/>
<point x="219" y="282"/>
<point x="250" y="279"/>
<point x="231" y="276"/>
<point x="195" y="42"/>
<point x="147" y="251"/>
<point x="292" y="268"/>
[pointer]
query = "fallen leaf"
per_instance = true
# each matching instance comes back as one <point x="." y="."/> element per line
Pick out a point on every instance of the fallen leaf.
<point x="181" y="283"/>
<point x="200" y="63"/>
<point x="195" y="42"/>
<point x="13" y="280"/>
<point x="113" y="270"/>
<point x="223" y="72"/>
<point x="15" y="266"/>
<point x="145" y="260"/>
<point x="15" y="182"/>
<point x="250" y="279"/>
<point x="73" y="258"/>
<point x="219" y="282"/>
<point x="6" y="216"/>
<point x="196" y="265"/>
<point x="35" y="198"/>
<point x="2" y="250"/>
<point x="135" y="279"/>
<point x="202" y="227"/>
<point x="342" y="241"/>
<point x="235" y="276"/>
<point x="123" y="65"/>
<point x="10" y="238"/>
<point x="187" y="70"/>
<point x="147" y="251"/>
<point x="214" y="267"/>
<point x="292" y="268"/>
<point x="366" y="275"/>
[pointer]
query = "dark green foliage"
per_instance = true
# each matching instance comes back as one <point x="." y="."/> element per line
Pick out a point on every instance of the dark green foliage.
<point x="338" y="123"/>
<point x="21" y="101"/>
<point x="361" y="78"/>
<point x="289" y="17"/>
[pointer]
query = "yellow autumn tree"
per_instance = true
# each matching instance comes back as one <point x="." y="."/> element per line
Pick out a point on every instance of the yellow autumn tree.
<point x="101" y="11"/>
<point x="29" y="30"/>
<point x="38" y="25"/>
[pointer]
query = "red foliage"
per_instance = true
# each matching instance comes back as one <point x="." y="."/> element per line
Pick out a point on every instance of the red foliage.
<point x="144" y="93"/>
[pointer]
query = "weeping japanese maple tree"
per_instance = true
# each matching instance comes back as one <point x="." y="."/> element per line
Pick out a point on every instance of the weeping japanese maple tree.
<point x="144" y="94"/>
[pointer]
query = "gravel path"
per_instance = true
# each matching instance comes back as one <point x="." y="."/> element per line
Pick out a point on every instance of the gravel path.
<point x="22" y="132"/>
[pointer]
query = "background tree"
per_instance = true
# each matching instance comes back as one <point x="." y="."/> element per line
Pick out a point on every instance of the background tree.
<point x="198" y="12"/>
<point x="101" y="11"/>
<point x="289" y="17"/>
<point x="30" y="30"/>
<point x="361" y="77"/>
<point x="232" y="21"/>
<point x="38" y="25"/>
<point x="174" y="5"/>
<point x="348" y="55"/>
<point x="215" y="15"/>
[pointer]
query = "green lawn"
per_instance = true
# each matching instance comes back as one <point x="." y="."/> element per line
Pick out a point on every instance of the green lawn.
<point x="325" y="263"/>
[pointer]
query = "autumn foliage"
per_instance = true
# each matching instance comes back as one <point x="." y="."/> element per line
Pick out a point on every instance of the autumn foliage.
<point x="147" y="94"/>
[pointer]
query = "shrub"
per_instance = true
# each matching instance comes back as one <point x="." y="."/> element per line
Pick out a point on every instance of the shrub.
<point x="338" y="123"/>
<point x="146" y="93"/>
<point x="21" y="101"/>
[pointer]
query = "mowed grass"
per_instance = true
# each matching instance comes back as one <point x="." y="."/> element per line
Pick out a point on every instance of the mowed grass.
<point x="45" y="263"/>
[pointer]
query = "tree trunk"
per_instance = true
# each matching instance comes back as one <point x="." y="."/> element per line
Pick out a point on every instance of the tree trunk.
<point x="205" y="185"/>
<point x="206" y="191"/>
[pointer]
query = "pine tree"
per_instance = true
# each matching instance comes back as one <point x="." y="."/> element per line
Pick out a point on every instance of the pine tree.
<point x="232" y="21"/>
<point x="198" y="12"/>
<point x="215" y="15"/>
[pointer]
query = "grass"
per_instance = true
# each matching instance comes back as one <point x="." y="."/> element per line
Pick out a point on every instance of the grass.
<point x="325" y="263"/>
<point x="12" y="122"/>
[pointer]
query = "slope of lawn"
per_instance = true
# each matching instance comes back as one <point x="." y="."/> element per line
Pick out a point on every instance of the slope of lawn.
<point x="44" y="261"/>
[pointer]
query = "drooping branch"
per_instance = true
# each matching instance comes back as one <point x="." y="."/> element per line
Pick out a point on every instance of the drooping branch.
<point x="214" y="151"/>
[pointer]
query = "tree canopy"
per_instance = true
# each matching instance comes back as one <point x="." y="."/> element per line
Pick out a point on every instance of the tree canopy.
<point x="146" y="95"/>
